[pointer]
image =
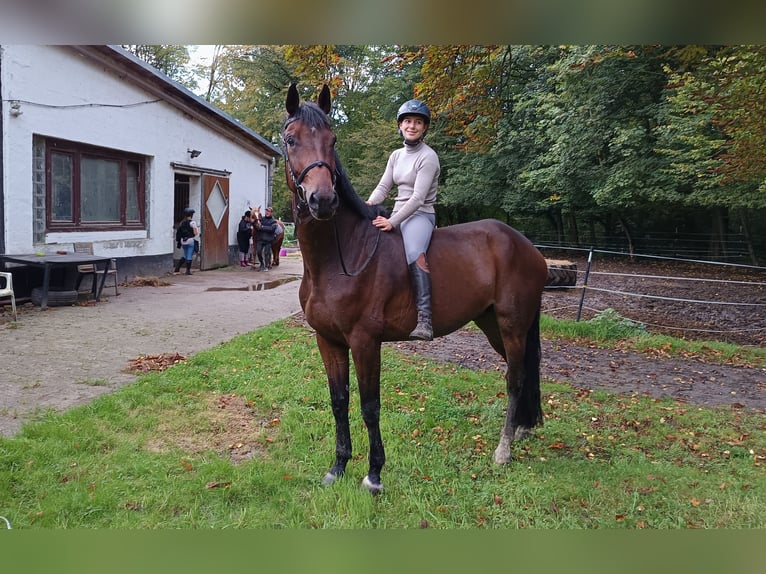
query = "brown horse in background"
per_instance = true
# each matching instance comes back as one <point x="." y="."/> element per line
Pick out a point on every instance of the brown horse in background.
<point x="356" y="293"/>
<point x="276" y="245"/>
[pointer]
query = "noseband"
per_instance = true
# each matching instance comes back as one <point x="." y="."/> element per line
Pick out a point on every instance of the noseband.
<point x="302" y="204"/>
<point x="298" y="181"/>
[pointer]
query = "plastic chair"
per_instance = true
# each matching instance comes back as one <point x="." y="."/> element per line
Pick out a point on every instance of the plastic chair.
<point x="90" y="268"/>
<point x="7" y="291"/>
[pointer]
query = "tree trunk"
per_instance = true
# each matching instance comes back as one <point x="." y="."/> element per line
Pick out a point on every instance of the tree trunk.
<point x="717" y="249"/>
<point x="628" y="235"/>
<point x="554" y="215"/>
<point x="573" y="234"/>
<point x="748" y="237"/>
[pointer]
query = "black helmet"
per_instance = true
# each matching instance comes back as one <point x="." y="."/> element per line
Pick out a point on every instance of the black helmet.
<point x="189" y="211"/>
<point x="414" y="107"/>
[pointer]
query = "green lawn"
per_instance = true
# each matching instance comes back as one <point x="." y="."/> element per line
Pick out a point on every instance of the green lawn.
<point x="239" y="436"/>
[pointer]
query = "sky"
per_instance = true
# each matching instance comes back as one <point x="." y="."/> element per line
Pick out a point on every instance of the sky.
<point x="201" y="54"/>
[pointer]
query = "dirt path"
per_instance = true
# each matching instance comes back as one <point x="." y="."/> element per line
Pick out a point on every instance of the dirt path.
<point x="66" y="356"/>
<point x="613" y="370"/>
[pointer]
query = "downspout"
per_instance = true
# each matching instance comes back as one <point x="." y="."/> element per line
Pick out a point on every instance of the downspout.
<point x="2" y="161"/>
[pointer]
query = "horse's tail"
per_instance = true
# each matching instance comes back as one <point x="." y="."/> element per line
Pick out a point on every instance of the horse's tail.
<point x="529" y="410"/>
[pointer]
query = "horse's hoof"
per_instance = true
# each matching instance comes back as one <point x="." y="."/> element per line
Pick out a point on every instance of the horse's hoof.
<point x="329" y="479"/>
<point x="502" y="456"/>
<point x="373" y="488"/>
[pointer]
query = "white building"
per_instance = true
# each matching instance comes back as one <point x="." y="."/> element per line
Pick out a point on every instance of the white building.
<point x="96" y="145"/>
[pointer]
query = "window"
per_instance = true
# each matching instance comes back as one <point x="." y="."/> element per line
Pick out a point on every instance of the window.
<point x="93" y="188"/>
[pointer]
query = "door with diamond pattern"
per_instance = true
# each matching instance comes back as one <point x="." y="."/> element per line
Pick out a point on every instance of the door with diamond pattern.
<point x="214" y="250"/>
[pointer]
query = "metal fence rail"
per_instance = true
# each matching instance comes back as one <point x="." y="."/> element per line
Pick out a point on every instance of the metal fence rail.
<point x="747" y="297"/>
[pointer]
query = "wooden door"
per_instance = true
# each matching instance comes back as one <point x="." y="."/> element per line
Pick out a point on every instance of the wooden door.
<point x="214" y="249"/>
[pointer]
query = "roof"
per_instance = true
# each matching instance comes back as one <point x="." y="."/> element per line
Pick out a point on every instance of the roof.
<point x="148" y="77"/>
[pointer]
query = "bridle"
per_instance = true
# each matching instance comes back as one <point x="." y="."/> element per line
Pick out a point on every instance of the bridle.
<point x="300" y="191"/>
<point x="301" y="206"/>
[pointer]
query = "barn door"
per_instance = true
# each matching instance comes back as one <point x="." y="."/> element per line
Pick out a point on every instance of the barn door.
<point x="215" y="222"/>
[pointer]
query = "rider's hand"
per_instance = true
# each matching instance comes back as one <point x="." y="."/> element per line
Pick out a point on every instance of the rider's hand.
<point x="382" y="223"/>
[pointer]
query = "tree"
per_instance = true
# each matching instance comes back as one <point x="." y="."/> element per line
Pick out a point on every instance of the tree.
<point x="171" y="59"/>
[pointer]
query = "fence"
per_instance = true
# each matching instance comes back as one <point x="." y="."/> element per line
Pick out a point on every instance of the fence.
<point x="734" y="248"/>
<point x="684" y="297"/>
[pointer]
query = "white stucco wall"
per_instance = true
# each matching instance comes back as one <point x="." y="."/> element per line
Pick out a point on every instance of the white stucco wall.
<point x="48" y="81"/>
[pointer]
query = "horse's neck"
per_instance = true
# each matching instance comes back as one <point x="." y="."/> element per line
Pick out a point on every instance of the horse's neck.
<point x="346" y="236"/>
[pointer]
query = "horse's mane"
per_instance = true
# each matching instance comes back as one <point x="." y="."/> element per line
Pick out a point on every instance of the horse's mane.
<point x="312" y="115"/>
<point x="350" y="197"/>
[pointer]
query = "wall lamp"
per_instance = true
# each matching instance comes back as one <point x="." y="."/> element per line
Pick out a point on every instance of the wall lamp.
<point x="16" y="108"/>
<point x="194" y="153"/>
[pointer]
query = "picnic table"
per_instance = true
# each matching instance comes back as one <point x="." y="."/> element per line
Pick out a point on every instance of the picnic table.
<point x="49" y="261"/>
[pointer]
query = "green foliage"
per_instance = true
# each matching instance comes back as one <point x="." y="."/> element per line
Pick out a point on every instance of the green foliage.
<point x="612" y="139"/>
<point x="171" y="59"/>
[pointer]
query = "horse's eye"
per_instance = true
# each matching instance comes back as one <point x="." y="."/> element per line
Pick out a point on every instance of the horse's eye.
<point x="290" y="140"/>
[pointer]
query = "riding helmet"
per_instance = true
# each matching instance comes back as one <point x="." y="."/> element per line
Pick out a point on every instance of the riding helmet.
<point x="414" y="107"/>
<point x="189" y="211"/>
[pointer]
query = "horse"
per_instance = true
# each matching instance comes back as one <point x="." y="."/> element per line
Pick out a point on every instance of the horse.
<point x="354" y="297"/>
<point x="276" y="245"/>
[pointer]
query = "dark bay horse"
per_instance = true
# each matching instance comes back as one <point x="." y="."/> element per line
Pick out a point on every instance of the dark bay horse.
<point x="356" y="293"/>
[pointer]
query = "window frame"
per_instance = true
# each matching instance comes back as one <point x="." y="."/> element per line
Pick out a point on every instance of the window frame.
<point x="77" y="151"/>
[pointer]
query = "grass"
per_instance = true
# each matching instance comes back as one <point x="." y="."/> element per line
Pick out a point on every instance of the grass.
<point x="239" y="436"/>
<point x="609" y="329"/>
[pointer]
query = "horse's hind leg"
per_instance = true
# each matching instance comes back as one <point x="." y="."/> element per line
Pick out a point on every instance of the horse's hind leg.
<point x="512" y="346"/>
<point x="336" y="363"/>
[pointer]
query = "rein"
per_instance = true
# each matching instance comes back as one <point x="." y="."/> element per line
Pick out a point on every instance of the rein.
<point x="340" y="253"/>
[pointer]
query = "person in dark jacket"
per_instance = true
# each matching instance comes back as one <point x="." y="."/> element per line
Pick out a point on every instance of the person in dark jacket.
<point x="187" y="232"/>
<point x="265" y="231"/>
<point x="244" y="233"/>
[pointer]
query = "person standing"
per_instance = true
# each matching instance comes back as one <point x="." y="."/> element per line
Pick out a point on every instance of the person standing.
<point x="264" y="235"/>
<point x="185" y="235"/>
<point x="414" y="169"/>
<point x="244" y="233"/>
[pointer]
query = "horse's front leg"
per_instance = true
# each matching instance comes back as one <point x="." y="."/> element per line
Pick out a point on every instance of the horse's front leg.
<point x="366" y="356"/>
<point x="336" y="364"/>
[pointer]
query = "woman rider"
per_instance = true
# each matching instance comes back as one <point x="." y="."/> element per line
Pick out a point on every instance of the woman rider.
<point x="414" y="169"/>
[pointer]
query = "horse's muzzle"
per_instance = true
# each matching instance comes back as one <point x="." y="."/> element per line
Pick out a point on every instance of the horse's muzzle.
<point x="323" y="204"/>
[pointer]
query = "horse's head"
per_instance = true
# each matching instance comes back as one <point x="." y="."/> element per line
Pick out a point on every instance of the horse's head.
<point x="308" y="143"/>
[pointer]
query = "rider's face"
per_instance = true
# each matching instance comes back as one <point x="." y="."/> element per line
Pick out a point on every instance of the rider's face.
<point x="413" y="127"/>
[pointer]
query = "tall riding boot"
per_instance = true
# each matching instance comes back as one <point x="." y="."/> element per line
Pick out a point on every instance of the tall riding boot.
<point x="421" y="285"/>
<point x="178" y="265"/>
<point x="188" y="267"/>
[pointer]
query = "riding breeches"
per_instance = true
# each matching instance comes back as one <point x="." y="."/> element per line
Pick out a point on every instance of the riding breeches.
<point x="416" y="232"/>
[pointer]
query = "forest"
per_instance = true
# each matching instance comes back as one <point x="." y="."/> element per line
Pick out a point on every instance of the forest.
<point x="652" y="149"/>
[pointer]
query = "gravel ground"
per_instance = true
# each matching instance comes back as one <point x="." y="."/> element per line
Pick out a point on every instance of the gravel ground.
<point x="64" y="357"/>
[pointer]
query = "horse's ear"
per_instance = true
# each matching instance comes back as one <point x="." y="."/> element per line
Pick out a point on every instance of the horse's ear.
<point x="324" y="99"/>
<point x="293" y="100"/>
